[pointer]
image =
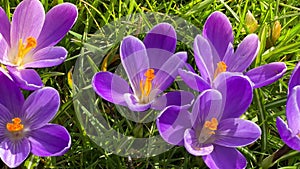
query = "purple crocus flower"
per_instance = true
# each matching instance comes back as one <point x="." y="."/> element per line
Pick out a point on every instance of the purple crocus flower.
<point x="151" y="67"/>
<point x="214" y="54"/>
<point x="24" y="124"/>
<point x="213" y="128"/>
<point x="290" y="132"/>
<point x="28" y="41"/>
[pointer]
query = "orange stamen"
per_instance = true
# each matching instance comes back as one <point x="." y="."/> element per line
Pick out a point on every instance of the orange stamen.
<point x="147" y="85"/>
<point x="212" y="125"/>
<point x="23" y="49"/>
<point x="221" y="67"/>
<point x="15" y="125"/>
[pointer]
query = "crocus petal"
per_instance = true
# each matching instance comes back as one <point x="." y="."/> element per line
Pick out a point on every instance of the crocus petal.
<point x="176" y="98"/>
<point x="295" y="78"/>
<point x="293" y="110"/>
<point x="59" y="20"/>
<point x="161" y="36"/>
<point x="244" y="54"/>
<point x="237" y="93"/>
<point x="5" y="116"/>
<point x="111" y="87"/>
<point x="134" y="60"/>
<point x="266" y="74"/>
<point x="12" y="97"/>
<point x="225" y="158"/>
<point x="287" y="135"/>
<point x="208" y="105"/>
<point x="14" y="153"/>
<point x="46" y="57"/>
<point x="50" y="140"/>
<point x="191" y="144"/>
<point x="4" y="25"/>
<point x="204" y="58"/>
<point x="27" y="21"/>
<point x="236" y="132"/>
<point x="133" y="104"/>
<point x="27" y="79"/>
<point x="193" y="80"/>
<point x="172" y="123"/>
<point x="3" y="51"/>
<point x="217" y="29"/>
<point x="40" y="107"/>
<point x="169" y="70"/>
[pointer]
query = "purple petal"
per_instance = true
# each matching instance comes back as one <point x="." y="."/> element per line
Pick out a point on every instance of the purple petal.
<point x="50" y="140"/>
<point x="161" y="36"/>
<point x="244" y="55"/>
<point x="207" y="106"/>
<point x="176" y="98"/>
<point x="134" y="60"/>
<point x="27" y="79"/>
<point x="225" y="158"/>
<point x="171" y="124"/>
<point x="169" y="70"/>
<point x="192" y="146"/>
<point x="217" y="29"/>
<point x="4" y="26"/>
<point x="236" y="132"/>
<point x="12" y="97"/>
<point x="204" y="58"/>
<point x="5" y="117"/>
<point x="287" y="135"/>
<point x="111" y="87"/>
<point x="40" y="107"/>
<point x="237" y="93"/>
<point x="295" y="78"/>
<point x="14" y="153"/>
<point x="266" y="74"/>
<point x="133" y="104"/>
<point x="59" y="20"/>
<point x="193" y="80"/>
<point x="3" y="51"/>
<point x="46" y="57"/>
<point x="27" y="21"/>
<point x="293" y="110"/>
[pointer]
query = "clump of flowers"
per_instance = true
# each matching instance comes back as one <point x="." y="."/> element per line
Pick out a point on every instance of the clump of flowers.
<point x="28" y="41"/>
<point x="151" y="67"/>
<point x="214" y="53"/>
<point x="24" y="124"/>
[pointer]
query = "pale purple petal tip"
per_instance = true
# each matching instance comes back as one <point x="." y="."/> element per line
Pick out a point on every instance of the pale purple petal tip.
<point x="295" y="77"/>
<point x="134" y="105"/>
<point x="193" y="80"/>
<point x="287" y="135"/>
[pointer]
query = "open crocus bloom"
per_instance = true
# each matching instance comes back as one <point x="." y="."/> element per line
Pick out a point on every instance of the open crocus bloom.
<point x="151" y="67"/>
<point x="290" y="132"/>
<point x="28" y="41"/>
<point x="214" y="53"/>
<point x="213" y="129"/>
<point x="24" y="124"/>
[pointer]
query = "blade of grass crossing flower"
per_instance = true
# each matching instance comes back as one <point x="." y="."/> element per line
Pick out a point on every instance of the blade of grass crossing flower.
<point x="262" y="120"/>
<point x="263" y="39"/>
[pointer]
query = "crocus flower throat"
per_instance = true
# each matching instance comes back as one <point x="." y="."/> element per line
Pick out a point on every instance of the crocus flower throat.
<point x="221" y="67"/>
<point x="208" y="129"/>
<point x="146" y="85"/>
<point x="24" y="48"/>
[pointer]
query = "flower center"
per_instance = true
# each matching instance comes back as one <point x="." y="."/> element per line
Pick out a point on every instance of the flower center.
<point x="24" y="48"/>
<point x="221" y="67"/>
<point x="208" y="129"/>
<point x="15" y="126"/>
<point x="146" y="85"/>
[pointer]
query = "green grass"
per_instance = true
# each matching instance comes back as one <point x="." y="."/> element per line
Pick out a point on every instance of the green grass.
<point x="268" y="102"/>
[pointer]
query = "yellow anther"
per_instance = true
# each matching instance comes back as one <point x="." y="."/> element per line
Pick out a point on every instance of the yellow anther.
<point x="146" y="86"/>
<point x="15" y="125"/>
<point x="221" y="67"/>
<point x="211" y="125"/>
<point x="23" y="49"/>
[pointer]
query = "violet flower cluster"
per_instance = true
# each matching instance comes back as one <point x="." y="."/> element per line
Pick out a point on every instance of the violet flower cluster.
<point x="208" y="125"/>
<point x="25" y="43"/>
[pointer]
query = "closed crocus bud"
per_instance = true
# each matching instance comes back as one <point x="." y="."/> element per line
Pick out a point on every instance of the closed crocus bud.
<point x="251" y="22"/>
<point x="276" y="31"/>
